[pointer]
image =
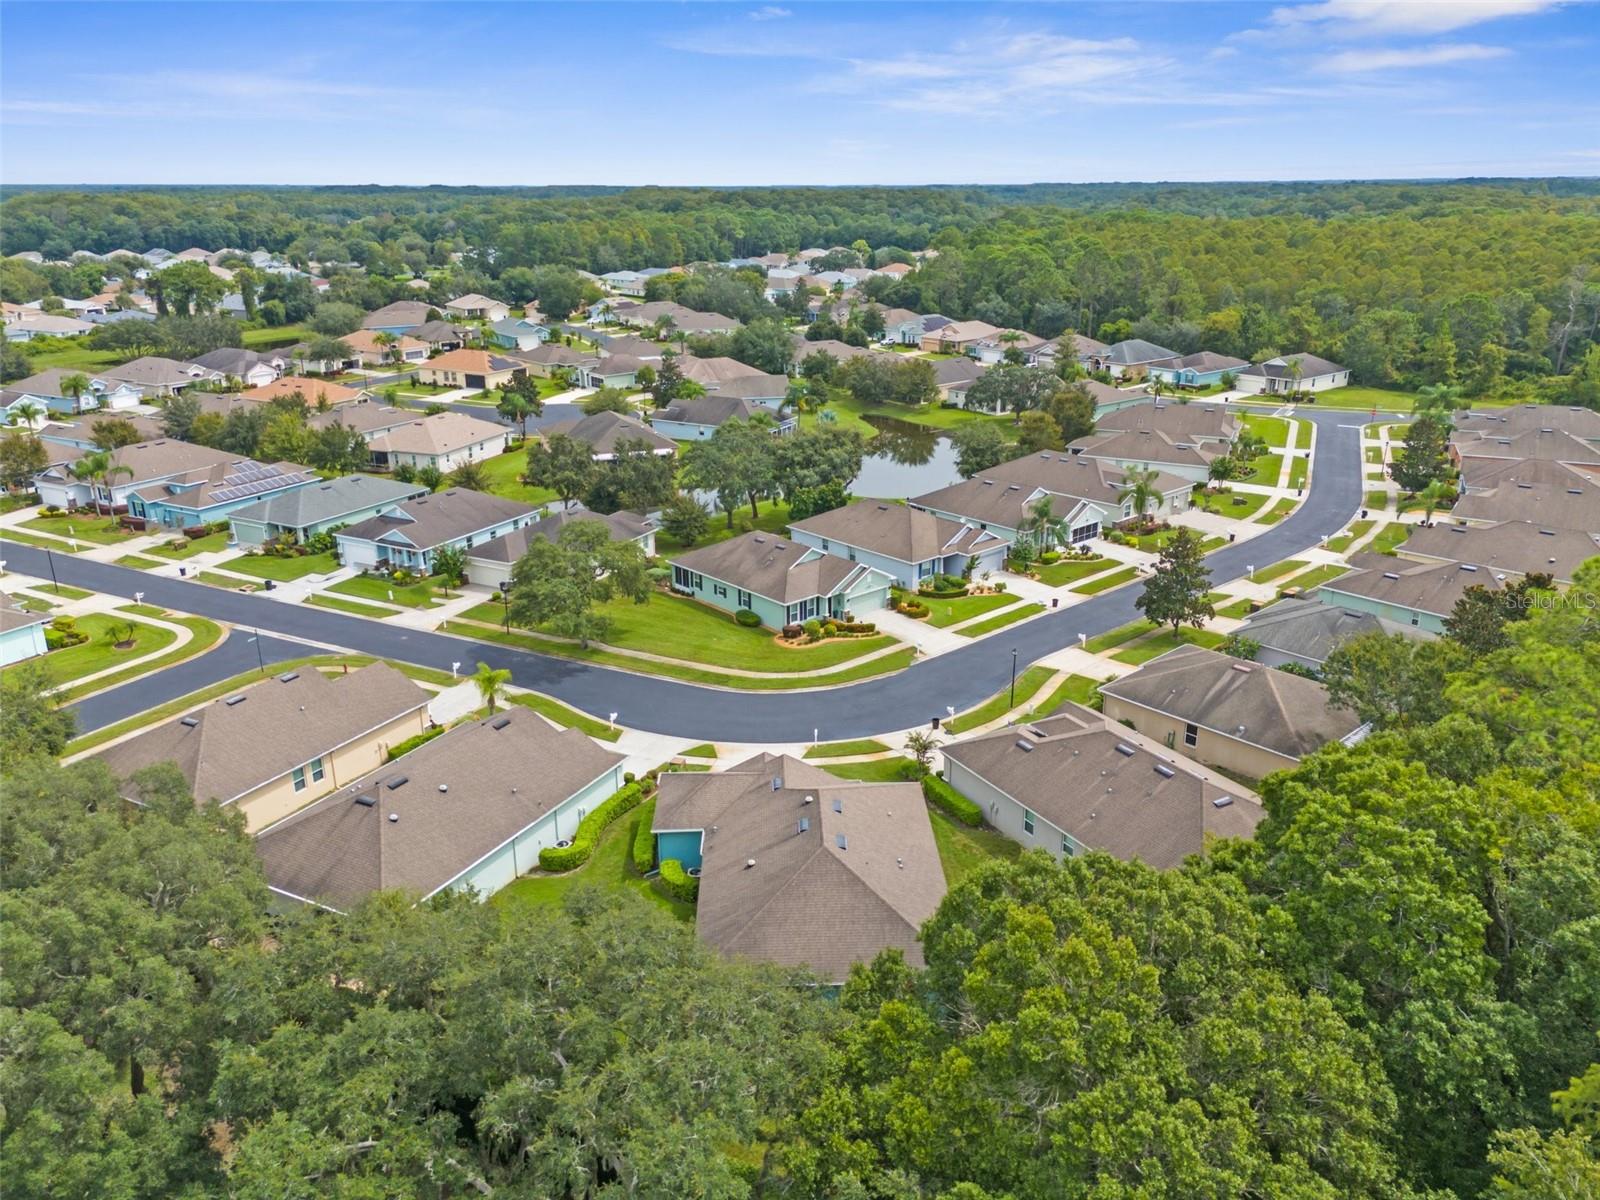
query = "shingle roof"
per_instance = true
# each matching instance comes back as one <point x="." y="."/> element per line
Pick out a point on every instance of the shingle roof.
<point x="1427" y="587"/>
<point x="1521" y="418"/>
<point x="442" y="433"/>
<point x="754" y="387"/>
<point x="232" y="746"/>
<point x="1278" y="368"/>
<point x="1518" y="546"/>
<point x="445" y="516"/>
<point x="472" y="362"/>
<point x="401" y="312"/>
<point x="906" y="534"/>
<point x="1144" y="445"/>
<point x="435" y="332"/>
<point x="13" y="616"/>
<point x="1181" y="422"/>
<point x="329" y="500"/>
<point x="1311" y="630"/>
<point x="1266" y="707"/>
<point x="229" y="360"/>
<point x="1205" y="361"/>
<point x="1110" y="788"/>
<point x="822" y="884"/>
<point x="200" y="489"/>
<point x="711" y="409"/>
<point x="774" y="567"/>
<point x="313" y="391"/>
<point x="153" y="371"/>
<point x="954" y="371"/>
<point x="167" y="456"/>
<point x="1543" y="444"/>
<point x="710" y="372"/>
<point x="1001" y="494"/>
<point x="464" y="794"/>
<point x="1132" y="352"/>
<point x="602" y="431"/>
<point x="1547" y="494"/>
<point x="364" y="418"/>
<point x="510" y="547"/>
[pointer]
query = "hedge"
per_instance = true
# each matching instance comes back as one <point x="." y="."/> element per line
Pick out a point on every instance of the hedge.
<point x="942" y="795"/>
<point x="679" y="883"/>
<point x="747" y="618"/>
<point x="412" y="742"/>
<point x="644" y="842"/>
<point x="566" y="858"/>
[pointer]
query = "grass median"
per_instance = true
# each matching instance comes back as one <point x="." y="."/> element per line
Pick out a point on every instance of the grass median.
<point x="1002" y="702"/>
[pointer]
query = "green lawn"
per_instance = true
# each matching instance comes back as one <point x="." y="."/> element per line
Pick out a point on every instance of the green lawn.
<point x="1079" y="689"/>
<point x="1317" y="575"/>
<point x="205" y="635"/>
<point x="281" y="570"/>
<point x="684" y="629"/>
<point x="76" y="357"/>
<point x="1238" y="610"/>
<point x="703" y="750"/>
<point x="774" y="518"/>
<point x="610" y="868"/>
<point x="31" y="604"/>
<point x="1299" y="468"/>
<point x="1274" y="431"/>
<point x="98" y="654"/>
<point x="139" y="562"/>
<point x="1069" y="570"/>
<point x="847" y="749"/>
<point x="1277" y="512"/>
<point x="22" y="538"/>
<point x="562" y="715"/>
<point x="1390" y="537"/>
<point x="848" y="413"/>
<point x="1277" y="570"/>
<point x="947" y="612"/>
<point x="1382" y="399"/>
<point x="274" y="336"/>
<point x="371" y="587"/>
<point x="1009" y="617"/>
<point x="193" y="546"/>
<point x="227" y="582"/>
<point x="1115" y="579"/>
<point x="963" y="849"/>
<point x="102" y="531"/>
<point x="685" y="671"/>
<point x="354" y="607"/>
<point x="1375" y="500"/>
<point x="1373" y="455"/>
<point x="1264" y="469"/>
<point x="64" y="589"/>
<point x="1115" y="637"/>
<point x="1239" y="505"/>
<point x="503" y="473"/>
<point x="1357" y="530"/>
<point x="1028" y="683"/>
<point x="1157" y="644"/>
<point x="882" y="770"/>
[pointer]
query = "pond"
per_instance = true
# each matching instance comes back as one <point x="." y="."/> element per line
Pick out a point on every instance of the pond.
<point x="905" y="459"/>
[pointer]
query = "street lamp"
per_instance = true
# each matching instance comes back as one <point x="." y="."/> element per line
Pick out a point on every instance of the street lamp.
<point x="1013" y="703"/>
<point x="51" y="559"/>
<point x="505" y="598"/>
<point x="261" y="662"/>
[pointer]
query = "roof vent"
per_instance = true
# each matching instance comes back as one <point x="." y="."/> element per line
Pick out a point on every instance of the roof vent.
<point x="393" y="817"/>
<point x="1466" y="566"/>
<point x="1390" y="575"/>
<point x="760" y="541"/>
<point x="1242" y="668"/>
<point x="501" y="723"/>
<point x="1124" y="749"/>
<point x="288" y="676"/>
<point x="809" y="800"/>
<point x="366" y="801"/>
<point x="838" y="805"/>
<point x="1165" y="771"/>
<point x="841" y="841"/>
<point x="444" y="787"/>
<point x="1574" y="491"/>
<point x="232" y="700"/>
<point x="805" y="825"/>
<point x="883" y="508"/>
<point x="1222" y="802"/>
<point x="777" y="783"/>
<point x="191" y="722"/>
<point x="397" y="782"/>
<point x="1525" y="485"/>
<point x="1025" y="744"/>
<point x="901" y="863"/>
<point x="749" y="864"/>
<point x="1547" y="533"/>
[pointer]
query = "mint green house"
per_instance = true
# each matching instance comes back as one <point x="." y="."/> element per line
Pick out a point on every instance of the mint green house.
<point x="781" y="581"/>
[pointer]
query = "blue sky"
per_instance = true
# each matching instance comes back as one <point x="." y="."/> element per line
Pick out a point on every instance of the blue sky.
<point x="462" y="93"/>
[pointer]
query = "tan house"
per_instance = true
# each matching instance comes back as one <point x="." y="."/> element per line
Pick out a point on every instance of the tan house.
<point x="478" y="308"/>
<point x="315" y="392"/>
<point x="366" y="349"/>
<point x="445" y="440"/>
<point x="274" y="747"/>
<point x="958" y="337"/>
<point x="476" y="369"/>
<point x="1242" y="717"/>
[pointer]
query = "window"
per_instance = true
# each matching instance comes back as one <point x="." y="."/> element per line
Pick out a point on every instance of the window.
<point x="1066" y="845"/>
<point x="1416" y="618"/>
<point x="298" y="777"/>
<point x="744" y="598"/>
<point x="316" y="770"/>
<point x="1191" y="734"/>
<point x="824" y="543"/>
<point x="719" y="589"/>
<point x="852" y="553"/>
<point x="1027" y="822"/>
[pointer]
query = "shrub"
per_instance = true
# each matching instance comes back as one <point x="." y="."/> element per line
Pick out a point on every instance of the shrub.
<point x="1050" y="556"/>
<point x="813" y="629"/>
<point x="60" y="639"/>
<point x="855" y="627"/>
<point x="747" y="618"/>
<point x="678" y="882"/>
<point x="954" y="805"/>
<point x="567" y="858"/>
<point x="644" y="842"/>
<point x="1001" y="586"/>
<point x="412" y="742"/>
<point x="195" y="532"/>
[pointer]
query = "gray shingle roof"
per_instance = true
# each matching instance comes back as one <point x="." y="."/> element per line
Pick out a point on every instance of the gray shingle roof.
<point x="1518" y="546"/>
<point x="711" y="409"/>
<point x="329" y="500"/>
<point x="909" y="535"/>
<point x="1145" y="445"/>
<point x="1542" y="444"/>
<point x="465" y="793"/>
<point x="1134" y="351"/>
<point x="770" y="566"/>
<point x="1311" y="630"/>
<point x="1427" y="587"/>
<point x="1521" y="418"/>
<point x="602" y="431"/>
<point x="510" y="547"/>
<point x="1000" y="495"/>
<point x="442" y="433"/>
<point x="1548" y="494"/>
<point x="1278" y="368"/>
<point x="445" y="516"/>
<point x="1181" y="422"/>
<point x="401" y="312"/>
<point x="1076" y="775"/>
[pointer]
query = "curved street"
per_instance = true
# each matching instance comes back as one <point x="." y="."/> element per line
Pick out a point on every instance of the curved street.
<point x="914" y="696"/>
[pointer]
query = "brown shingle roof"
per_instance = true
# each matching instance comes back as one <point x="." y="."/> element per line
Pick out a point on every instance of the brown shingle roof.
<point x="1427" y="587"/>
<point x="898" y="531"/>
<point x="442" y="433"/>
<point x="774" y="567"/>
<point x="1518" y="546"/>
<point x="434" y="520"/>
<point x="1181" y="422"/>
<point x="602" y="431"/>
<point x="510" y="547"/>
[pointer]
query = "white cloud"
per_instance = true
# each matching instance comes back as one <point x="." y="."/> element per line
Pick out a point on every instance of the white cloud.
<point x="1385" y="17"/>
<point x="770" y="12"/>
<point x="1360" y="62"/>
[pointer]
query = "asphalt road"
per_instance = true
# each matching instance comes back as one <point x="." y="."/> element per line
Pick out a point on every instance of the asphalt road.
<point x="958" y="679"/>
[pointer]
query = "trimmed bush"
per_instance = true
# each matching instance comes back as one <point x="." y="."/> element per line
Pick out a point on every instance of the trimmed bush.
<point x="412" y="742"/>
<point x="567" y="858"/>
<point x="813" y="629"/>
<point x="644" y="842"/>
<point x="678" y="882"/>
<point x="747" y="618"/>
<point x="855" y="627"/>
<point x="951" y="802"/>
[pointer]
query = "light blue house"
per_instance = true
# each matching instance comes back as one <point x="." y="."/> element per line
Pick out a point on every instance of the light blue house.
<point x="408" y="534"/>
<point x="304" y="512"/>
<point x="46" y="390"/>
<point x="21" y="633"/>
<point x="907" y="544"/>
<point x="1419" y="595"/>
<point x="1201" y="370"/>
<point x="468" y="811"/>
<point x="519" y="333"/>
<point x="783" y="582"/>
<point x="698" y="417"/>
<point x="208" y="495"/>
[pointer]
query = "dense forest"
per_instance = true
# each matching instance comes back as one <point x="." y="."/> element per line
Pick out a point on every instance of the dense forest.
<point x="1490" y="285"/>
<point x="1392" y="992"/>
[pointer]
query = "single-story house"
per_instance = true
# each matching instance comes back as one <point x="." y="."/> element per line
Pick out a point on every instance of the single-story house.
<point x="632" y="345"/>
<point x="275" y="746"/>
<point x="47" y="390"/>
<point x="698" y="417"/>
<point x="1243" y="717"/>
<point x="1305" y="632"/>
<point x="476" y="369"/>
<point x="1197" y="423"/>
<point x="902" y="327"/>
<point x="602" y="431"/>
<point x="1514" y="547"/>
<point x="490" y="563"/>
<point x="210" y="494"/>
<point x="518" y="333"/>
<point x="478" y="308"/>
<point x="247" y="366"/>
<point x="1583" y="423"/>
<point x="367" y="351"/>
<point x="1404" y="592"/>
<point x="1088" y="495"/>
<point x="134" y="467"/>
<point x="368" y="420"/>
<point x="550" y="361"/>
<point x="832" y="347"/>
<point x="1151" y="449"/>
<point x="44" y="324"/>
<point x="800" y="868"/>
<point x="1132" y="355"/>
<point x="783" y="582"/>
<point x="769" y="391"/>
<point x="1548" y="494"/>
<point x="992" y="350"/>
<point x="157" y="376"/>
<point x="1078" y="782"/>
<point x="712" y="373"/>
<point x="323" y="506"/>
<point x="445" y="440"/>
<point x="408" y="534"/>
<point x="1479" y="455"/>
<point x="612" y="371"/>
<point x="907" y="544"/>
<point x="1280" y="375"/>
<point x="1203" y="369"/>
<point x="400" y="317"/>
<point x="21" y="632"/>
<point x="957" y="337"/>
<point x="678" y="318"/>
<point x="317" y="393"/>
<point x="624" y="283"/>
<point x="955" y="377"/>
<point x="1108" y="399"/>
<point x="440" y="335"/>
<point x="468" y="811"/>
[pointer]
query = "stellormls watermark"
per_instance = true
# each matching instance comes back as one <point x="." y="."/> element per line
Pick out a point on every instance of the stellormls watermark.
<point x="1550" y="601"/>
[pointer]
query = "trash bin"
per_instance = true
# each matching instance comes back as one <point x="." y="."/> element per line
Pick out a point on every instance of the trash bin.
<point x="936" y="722"/>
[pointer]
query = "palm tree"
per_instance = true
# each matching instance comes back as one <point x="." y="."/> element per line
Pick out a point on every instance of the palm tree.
<point x="99" y="472"/>
<point x="75" y="385"/>
<point x="1432" y="497"/>
<point x="1139" y="486"/>
<point x="1296" y="370"/>
<point x="1043" y="525"/>
<point x="386" y="342"/>
<point x="491" y="684"/>
<point x="1155" y="387"/>
<point x="26" y="412"/>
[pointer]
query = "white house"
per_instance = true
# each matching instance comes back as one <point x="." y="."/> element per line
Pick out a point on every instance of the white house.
<point x="1293" y="373"/>
<point x="445" y="440"/>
